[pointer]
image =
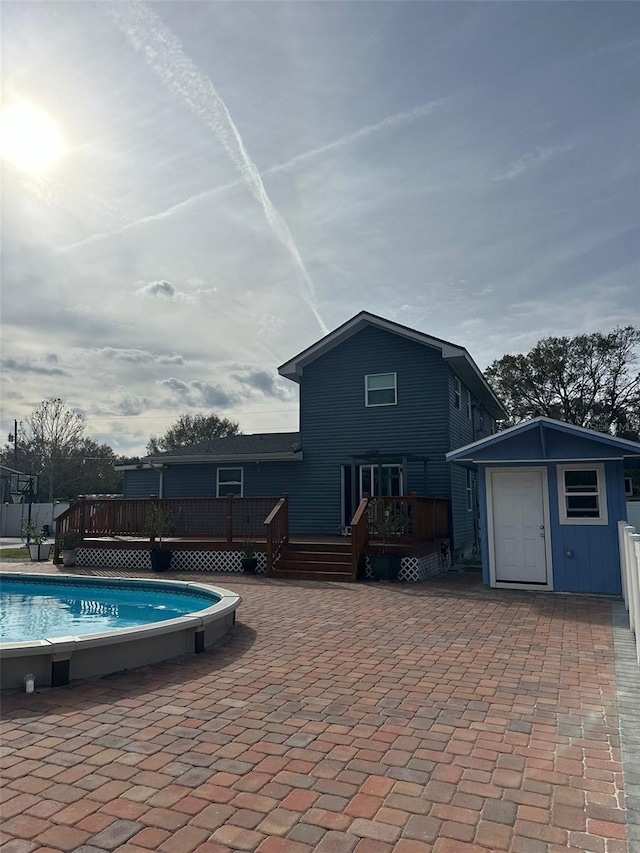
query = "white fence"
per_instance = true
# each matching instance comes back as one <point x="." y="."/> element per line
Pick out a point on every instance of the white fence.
<point x="630" y="566"/>
<point x="12" y="515"/>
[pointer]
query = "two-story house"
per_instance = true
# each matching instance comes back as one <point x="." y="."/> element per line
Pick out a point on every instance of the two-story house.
<point x="380" y="406"/>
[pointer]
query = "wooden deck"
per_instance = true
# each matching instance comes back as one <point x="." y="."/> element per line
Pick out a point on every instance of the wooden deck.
<point x="225" y="524"/>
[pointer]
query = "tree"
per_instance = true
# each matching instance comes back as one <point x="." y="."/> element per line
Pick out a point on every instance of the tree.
<point x="192" y="429"/>
<point x="587" y="380"/>
<point x="52" y="445"/>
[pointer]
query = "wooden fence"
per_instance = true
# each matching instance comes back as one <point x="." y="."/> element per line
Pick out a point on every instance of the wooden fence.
<point x="630" y="567"/>
<point x="422" y="519"/>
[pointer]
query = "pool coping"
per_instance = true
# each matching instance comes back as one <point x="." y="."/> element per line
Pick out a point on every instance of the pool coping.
<point x="183" y="634"/>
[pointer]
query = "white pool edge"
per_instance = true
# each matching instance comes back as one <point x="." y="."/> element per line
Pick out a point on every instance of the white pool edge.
<point x="57" y="660"/>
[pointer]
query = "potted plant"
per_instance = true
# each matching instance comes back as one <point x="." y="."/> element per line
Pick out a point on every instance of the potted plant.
<point x="36" y="540"/>
<point x="68" y="544"/>
<point x="159" y="524"/>
<point x="249" y="560"/>
<point x="388" y="522"/>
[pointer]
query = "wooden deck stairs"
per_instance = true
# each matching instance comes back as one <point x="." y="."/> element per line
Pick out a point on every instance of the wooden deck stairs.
<point x="318" y="561"/>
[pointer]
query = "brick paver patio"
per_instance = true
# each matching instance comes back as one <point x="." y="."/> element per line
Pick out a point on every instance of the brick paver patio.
<point x="437" y="718"/>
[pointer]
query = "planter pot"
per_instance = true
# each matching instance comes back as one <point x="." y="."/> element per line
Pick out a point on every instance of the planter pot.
<point x="385" y="567"/>
<point x="249" y="565"/>
<point x="39" y="552"/>
<point x="68" y="557"/>
<point x="160" y="560"/>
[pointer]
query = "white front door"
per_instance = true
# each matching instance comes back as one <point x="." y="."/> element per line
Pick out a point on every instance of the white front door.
<point x="519" y="526"/>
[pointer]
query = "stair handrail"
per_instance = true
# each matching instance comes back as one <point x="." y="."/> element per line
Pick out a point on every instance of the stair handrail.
<point x="71" y="520"/>
<point x="359" y="536"/>
<point x="277" y="524"/>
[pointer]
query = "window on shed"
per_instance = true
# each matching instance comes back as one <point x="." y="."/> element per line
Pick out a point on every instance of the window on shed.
<point x="582" y="494"/>
<point x="380" y="389"/>
<point x="457" y="392"/>
<point x="229" y="482"/>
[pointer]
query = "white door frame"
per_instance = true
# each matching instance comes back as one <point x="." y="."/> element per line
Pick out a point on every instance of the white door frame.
<point x="489" y="472"/>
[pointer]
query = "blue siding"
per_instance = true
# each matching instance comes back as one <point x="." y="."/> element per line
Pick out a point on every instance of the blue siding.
<point x="463" y="430"/>
<point x="336" y="425"/>
<point x="141" y="483"/>
<point x="594" y="566"/>
<point x="264" y="479"/>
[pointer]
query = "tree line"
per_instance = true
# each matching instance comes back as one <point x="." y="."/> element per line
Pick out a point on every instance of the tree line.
<point x="588" y="380"/>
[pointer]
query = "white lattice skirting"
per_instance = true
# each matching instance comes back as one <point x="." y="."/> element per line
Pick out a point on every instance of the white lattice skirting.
<point x="412" y="569"/>
<point x="417" y="569"/>
<point x="188" y="561"/>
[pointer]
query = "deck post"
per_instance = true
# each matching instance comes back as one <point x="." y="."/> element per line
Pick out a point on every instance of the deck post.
<point x="82" y="518"/>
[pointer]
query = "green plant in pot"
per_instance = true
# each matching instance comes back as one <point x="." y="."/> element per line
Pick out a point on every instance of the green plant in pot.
<point x="39" y="549"/>
<point x="68" y="544"/>
<point x="159" y="524"/>
<point x="387" y="521"/>
<point x="249" y="561"/>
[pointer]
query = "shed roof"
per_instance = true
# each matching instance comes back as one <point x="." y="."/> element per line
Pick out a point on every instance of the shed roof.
<point x="545" y="438"/>
<point x="458" y="357"/>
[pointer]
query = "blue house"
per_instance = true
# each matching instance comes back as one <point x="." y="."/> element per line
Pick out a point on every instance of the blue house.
<point x="551" y="495"/>
<point x="380" y="406"/>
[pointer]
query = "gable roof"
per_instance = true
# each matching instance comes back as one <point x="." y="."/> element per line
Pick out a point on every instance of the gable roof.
<point x="458" y="357"/>
<point x="621" y="448"/>
<point x="274" y="446"/>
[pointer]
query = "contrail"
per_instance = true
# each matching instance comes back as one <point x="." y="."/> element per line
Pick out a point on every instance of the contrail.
<point x="396" y="120"/>
<point x="163" y="52"/>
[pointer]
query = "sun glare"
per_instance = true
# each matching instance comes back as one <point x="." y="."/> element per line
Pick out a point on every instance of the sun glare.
<point x="29" y="138"/>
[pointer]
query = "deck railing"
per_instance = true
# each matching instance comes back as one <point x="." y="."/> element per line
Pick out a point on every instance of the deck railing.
<point x="426" y="519"/>
<point x="359" y="536"/>
<point x="227" y="518"/>
<point x="277" y="527"/>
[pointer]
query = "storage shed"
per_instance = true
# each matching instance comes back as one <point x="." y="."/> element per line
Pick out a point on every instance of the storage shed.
<point x="550" y="496"/>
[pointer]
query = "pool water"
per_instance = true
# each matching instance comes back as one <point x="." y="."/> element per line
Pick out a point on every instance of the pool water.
<point x="35" y="610"/>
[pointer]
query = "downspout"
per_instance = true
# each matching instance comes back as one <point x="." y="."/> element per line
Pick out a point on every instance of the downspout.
<point x="160" y="470"/>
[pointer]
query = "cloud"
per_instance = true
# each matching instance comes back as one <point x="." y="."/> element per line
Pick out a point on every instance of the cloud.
<point x="267" y="383"/>
<point x="138" y="356"/>
<point x="196" y="394"/>
<point x="163" y="52"/>
<point x="129" y="405"/>
<point x="157" y="288"/>
<point x="531" y="160"/>
<point x="25" y="366"/>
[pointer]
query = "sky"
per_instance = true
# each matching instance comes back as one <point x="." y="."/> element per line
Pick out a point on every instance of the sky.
<point x="210" y="187"/>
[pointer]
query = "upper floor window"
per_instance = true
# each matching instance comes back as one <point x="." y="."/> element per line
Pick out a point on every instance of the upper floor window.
<point x="469" y="413"/>
<point x="582" y="494"/>
<point x="457" y="393"/>
<point x="381" y="389"/>
<point x="229" y="482"/>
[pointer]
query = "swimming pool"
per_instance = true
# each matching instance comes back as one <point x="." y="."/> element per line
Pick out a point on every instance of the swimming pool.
<point x="59" y="628"/>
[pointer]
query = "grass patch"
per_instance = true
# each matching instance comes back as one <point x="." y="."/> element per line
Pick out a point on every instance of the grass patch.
<point x="14" y="554"/>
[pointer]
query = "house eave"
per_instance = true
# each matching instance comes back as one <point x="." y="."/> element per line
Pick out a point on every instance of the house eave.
<point x="217" y="458"/>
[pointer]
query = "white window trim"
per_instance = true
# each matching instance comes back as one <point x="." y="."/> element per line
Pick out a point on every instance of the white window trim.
<point x="602" y="494"/>
<point x="457" y="393"/>
<point x="469" y="408"/>
<point x="229" y="468"/>
<point x="369" y="405"/>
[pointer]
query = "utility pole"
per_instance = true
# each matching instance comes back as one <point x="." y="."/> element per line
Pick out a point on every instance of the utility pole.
<point x="15" y="444"/>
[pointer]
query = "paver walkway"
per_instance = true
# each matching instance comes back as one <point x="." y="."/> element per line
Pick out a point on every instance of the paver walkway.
<point x="436" y="718"/>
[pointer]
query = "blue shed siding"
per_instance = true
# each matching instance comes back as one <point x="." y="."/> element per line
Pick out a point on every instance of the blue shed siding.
<point x="336" y="425"/>
<point x="463" y="430"/>
<point x="594" y="566"/>
<point x="141" y="483"/>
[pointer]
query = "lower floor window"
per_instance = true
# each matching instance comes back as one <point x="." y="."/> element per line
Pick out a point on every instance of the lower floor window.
<point x="581" y="494"/>
<point x="471" y="480"/>
<point x="229" y="482"/>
